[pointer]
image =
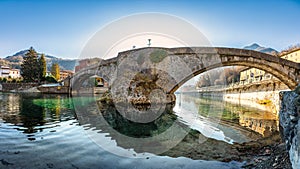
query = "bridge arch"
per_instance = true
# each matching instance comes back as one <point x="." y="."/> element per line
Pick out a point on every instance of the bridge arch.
<point x="198" y="60"/>
<point x="285" y="70"/>
<point x="283" y="77"/>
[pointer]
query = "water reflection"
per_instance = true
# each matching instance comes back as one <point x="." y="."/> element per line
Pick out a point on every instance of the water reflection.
<point x="32" y="113"/>
<point x="263" y="122"/>
<point x="135" y="139"/>
<point x="61" y="128"/>
<point x="204" y="138"/>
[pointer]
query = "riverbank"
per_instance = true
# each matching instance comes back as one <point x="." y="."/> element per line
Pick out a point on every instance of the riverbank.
<point x="263" y="95"/>
<point x="272" y="156"/>
<point x="270" y="152"/>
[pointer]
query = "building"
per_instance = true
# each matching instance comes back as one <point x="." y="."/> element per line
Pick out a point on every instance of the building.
<point x="251" y="75"/>
<point x="292" y="55"/>
<point x="14" y="73"/>
<point x="86" y="62"/>
<point x="65" y="73"/>
<point x="4" y="71"/>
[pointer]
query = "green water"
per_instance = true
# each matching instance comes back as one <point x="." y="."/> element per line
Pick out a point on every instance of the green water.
<point x="58" y="131"/>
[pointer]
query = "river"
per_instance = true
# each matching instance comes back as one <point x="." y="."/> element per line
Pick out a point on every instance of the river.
<point x="57" y="131"/>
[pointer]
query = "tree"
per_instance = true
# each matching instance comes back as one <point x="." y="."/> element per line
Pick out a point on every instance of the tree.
<point x="30" y="67"/>
<point x="55" y="71"/>
<point x="42" y="66"/>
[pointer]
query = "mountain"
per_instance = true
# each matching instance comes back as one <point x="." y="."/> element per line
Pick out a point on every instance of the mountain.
<point x="259" y="48"/>
<point x="16" y="60"/>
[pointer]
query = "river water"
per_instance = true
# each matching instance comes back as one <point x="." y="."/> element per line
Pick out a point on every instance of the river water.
<point x="57" y="131"/>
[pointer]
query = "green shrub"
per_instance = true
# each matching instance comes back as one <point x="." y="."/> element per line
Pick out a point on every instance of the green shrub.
<point x="50" y="79"/>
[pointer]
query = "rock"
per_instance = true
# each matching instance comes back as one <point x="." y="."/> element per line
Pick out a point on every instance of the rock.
<point x="267" y="152"/>
<point x="297" y="89"/>
<point x="289" y="120"/>
<point x="5" y="162"/>
<point x="297" y="101"/>
<point x="293" y="118"/>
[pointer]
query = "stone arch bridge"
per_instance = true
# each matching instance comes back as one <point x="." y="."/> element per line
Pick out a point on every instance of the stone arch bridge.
<point x="172" y="67"/>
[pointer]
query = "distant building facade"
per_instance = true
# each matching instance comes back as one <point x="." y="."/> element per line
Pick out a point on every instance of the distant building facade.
<point x="14" y="73"/>
<point x="86" y="62"/>
<point x="292" y="55"/>
<point x="6" y="72"/>
<point x="250" y="75"/>
<point x="65" y="73"/>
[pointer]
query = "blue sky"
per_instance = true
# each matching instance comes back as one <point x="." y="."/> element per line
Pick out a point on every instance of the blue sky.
<point x="62" y="28"/>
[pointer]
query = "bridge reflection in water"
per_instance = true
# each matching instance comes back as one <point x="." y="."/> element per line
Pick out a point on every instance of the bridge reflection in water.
<point x="206" y="122"/>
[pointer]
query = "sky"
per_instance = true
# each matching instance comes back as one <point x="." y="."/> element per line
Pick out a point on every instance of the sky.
<point x="62" y="28"/>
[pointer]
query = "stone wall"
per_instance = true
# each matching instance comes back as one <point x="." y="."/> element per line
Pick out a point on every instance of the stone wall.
<point x="266" y="101"/>
<point x="290" y="124"/>
<point x="6" y="87"/>
<point x="54" y="89"/>
<point x="263" y="95"/>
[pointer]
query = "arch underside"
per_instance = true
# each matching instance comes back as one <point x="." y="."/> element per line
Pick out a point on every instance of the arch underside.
<point x="283" y="77"/>
<point x="83" y="76"/>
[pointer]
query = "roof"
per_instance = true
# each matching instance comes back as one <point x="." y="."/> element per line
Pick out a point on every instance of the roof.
<point x="4" y="67"/>
<point x="283" y="53"/>
<point x="15" y="69"/>
<point x="67" y="71"/>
